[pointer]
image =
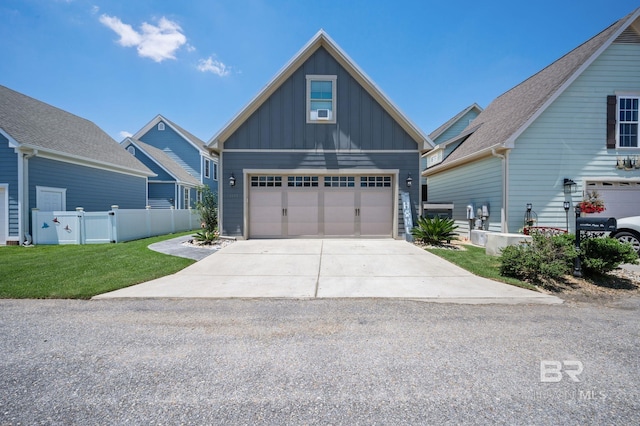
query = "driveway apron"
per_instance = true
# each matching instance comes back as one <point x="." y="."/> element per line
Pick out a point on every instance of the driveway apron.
<point x="329" y="268"/>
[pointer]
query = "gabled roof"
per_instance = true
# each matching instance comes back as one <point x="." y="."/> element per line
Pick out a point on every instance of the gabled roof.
<point x="193" y="140"/>
<point x="443" y="128"/>
<point x="164" y="161"/>
<point x="35" y="125"/>
<point x="500" y="124"/>
<point x="321" y="39"/>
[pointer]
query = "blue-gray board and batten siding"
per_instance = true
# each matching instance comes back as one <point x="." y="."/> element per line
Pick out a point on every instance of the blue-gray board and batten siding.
<point x="9" y="176"/>
<point x="362" y="127"/>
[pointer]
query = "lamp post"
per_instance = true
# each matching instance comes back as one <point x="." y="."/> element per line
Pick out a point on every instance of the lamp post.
<point x="577" y="267"/>
<point x="567" y="206"/>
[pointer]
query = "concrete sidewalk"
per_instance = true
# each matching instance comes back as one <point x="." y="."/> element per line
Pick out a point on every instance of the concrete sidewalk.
<point x="330" y="268"/>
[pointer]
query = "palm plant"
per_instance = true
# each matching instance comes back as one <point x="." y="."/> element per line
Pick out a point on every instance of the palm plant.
<point x="434" y="230"/>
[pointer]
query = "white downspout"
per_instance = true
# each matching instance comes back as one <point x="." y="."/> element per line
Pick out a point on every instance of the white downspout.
<point x="505" y="188"/>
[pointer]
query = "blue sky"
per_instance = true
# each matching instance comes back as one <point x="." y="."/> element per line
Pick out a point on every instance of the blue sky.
<point x="119" y="63"/>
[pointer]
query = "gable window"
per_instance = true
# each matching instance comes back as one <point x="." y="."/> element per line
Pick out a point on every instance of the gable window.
<point x="207" y="168"/>
<point x="161" y="126"/>
<point x="321" y="98"/>
<point x="628" y="121"/>
<point x="131" y="150"/>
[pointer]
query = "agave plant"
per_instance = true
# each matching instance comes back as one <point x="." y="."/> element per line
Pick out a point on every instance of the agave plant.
<point x="434" y="230"/>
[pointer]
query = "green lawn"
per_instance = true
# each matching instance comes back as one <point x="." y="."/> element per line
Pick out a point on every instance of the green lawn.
<point x="475" y="260"/>
<point x="82" y="271"/>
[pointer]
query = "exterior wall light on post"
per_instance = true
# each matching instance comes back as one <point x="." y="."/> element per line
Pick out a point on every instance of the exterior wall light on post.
<point x="577" y="267"/>
<point x="566" y="205"/>
<point x="409" y="180"/>
<point x="569" y="186"/>
<point x="232" y="180"/>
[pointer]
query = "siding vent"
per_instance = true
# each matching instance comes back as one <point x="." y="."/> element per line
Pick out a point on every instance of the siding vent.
<point x="161" y="127"/>
<point x="628" y="36"/>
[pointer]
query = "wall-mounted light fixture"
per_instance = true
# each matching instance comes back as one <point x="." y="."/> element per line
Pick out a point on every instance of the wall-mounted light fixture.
<point x="529" y="207"/>
<point x="569" y="186"/>
<point x="232" y="180"/>
<point x="409" y="180"/>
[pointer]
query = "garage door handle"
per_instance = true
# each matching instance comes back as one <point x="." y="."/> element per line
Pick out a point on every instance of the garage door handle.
<point x="284" y="212"/>
<point x="357" y="212"/>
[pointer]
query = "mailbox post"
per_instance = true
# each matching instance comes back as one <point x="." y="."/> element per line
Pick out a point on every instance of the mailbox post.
<point x="599" y="224"/>
<point x="577" y="267"/>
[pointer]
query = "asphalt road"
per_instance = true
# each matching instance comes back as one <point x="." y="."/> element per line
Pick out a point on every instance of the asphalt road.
<point x="336" y="362"/>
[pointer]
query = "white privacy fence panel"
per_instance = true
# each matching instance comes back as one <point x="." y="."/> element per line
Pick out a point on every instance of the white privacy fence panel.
<point x="114" y="226"/>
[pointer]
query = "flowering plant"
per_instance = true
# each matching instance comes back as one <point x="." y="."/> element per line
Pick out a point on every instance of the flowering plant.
<point x="592" y="203"/>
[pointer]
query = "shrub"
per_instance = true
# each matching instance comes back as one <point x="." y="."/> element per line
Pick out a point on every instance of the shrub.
<point x="208" y="209"/>
<point x="543" y="257"/>
<point x="602" y="255"/>
<point x="434" y="230"/>
<point x="206" y="237"/>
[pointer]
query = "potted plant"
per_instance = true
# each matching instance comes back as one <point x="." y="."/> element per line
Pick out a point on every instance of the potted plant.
<point x="591" y="203"/>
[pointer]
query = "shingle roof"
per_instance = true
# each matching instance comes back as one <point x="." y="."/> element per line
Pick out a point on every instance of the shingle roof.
<point x="38" y="125"/>
<point x="508" y="113"/>
<point x="166" y="162"/>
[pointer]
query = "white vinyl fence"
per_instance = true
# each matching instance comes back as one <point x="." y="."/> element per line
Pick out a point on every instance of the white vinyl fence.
<point x="114" y="226"/>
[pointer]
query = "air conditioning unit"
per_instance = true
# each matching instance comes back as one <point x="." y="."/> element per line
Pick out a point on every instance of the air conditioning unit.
<point x="323" y="114"/>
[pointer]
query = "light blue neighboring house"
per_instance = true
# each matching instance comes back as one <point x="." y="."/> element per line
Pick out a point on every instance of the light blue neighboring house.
<point x="172" y="186"/>
<point x="53" y="160"/>
<point x="569" y="129"/>
<point x="319" y="152"/>
<point x="444" y="136"/>
<point x="182" y="161"/>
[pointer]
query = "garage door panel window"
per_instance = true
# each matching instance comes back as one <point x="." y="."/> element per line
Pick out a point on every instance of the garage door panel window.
<point x="340" y="181"/>
<point x="302" y="181"/>
<point x="266" y="181"/>
<point x="375" y="181"/>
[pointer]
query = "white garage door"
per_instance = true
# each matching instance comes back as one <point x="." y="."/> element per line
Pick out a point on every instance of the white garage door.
<point x="325" y="206"/>
<point x="621" y="199"/>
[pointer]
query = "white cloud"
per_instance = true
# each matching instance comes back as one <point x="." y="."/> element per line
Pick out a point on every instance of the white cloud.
<point x="214" y="66"/>
<point x="94" y="10"/>
<point x="124" y="134"/>
<point x="158" y="42"/>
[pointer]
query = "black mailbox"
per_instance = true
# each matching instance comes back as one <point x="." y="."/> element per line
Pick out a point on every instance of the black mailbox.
<point x="602" y="224"/>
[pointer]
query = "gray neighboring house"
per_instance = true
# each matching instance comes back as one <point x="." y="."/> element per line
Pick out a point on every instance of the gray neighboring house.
<point x="569" y="129"/>
<point x="319" y="152"/>
<point x="53" y="160"/>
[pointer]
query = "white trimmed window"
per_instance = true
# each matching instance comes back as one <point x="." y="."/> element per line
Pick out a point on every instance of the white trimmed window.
<point x="215" y="171"/>
<point x="628" y="121"/>
<point x="207" y="168"/>
<point x="161" y="126"/>
<point x="187" y="201"/>
<point x="321" y="98"/>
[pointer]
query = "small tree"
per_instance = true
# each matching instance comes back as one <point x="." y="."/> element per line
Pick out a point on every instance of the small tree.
<point x="208" y="208"/>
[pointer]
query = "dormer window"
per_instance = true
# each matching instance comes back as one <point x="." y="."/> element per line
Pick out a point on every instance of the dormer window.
<point x="161" y="127"/>
<point x="321" y="98"/>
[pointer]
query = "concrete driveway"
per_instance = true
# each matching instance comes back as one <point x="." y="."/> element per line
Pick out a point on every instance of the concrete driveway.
<point x="330" y="268"/>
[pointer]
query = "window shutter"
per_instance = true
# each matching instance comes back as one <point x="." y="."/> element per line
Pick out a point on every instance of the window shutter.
<point x="611" y="121"/>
